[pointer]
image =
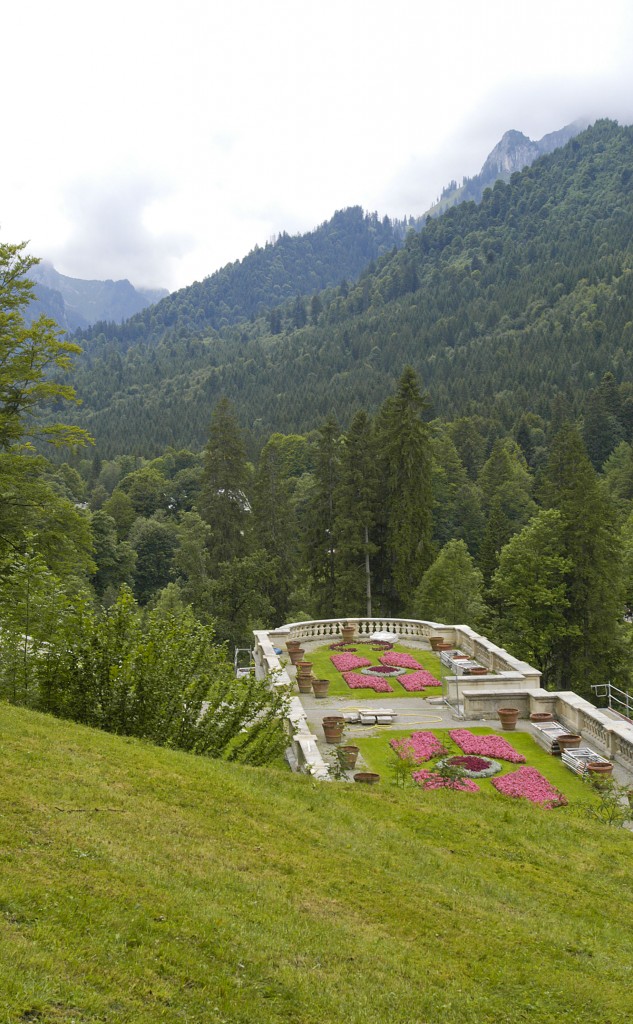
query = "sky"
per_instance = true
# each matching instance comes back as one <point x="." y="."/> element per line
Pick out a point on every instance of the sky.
<point x="159" y="141"/>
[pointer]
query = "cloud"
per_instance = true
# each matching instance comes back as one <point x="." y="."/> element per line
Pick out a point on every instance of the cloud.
<point x="110" y="234"/>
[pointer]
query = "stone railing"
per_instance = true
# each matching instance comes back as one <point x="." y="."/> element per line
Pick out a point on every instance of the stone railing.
<point x="505" y="670"/>
<point x="613" y="739"/>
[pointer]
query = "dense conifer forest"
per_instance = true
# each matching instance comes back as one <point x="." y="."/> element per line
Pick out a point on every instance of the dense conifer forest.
<point x="447" y="438"/>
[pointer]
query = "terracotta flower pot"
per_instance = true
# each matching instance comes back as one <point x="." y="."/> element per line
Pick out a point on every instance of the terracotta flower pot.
<point x="369" y="777"/>
<point x="541" y="716"/>
<point x="304" y="669"/>
<point x="434" y="641"/>
<point x="333" y="726"/>
<point x="508" y="718"/>
<point x="348" y="756"/>
<point x="443" y="647"/>
<point x="305" y="684"/>
<point x="568" y="741"/>
<point x="292" y="644"/>
<point x="600" y="768"/>
<point x="347" y="633"/>
<point x="320" y="687"/>
<point x="296" y="655"/>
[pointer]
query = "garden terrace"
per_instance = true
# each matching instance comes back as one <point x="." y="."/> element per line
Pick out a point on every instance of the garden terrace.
<point x="467" y="699"/>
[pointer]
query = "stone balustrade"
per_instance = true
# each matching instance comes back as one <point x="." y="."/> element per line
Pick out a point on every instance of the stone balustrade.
<point x="510" y="682"/>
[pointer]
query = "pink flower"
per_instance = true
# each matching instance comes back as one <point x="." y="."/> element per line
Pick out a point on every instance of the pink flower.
<point x="418" y="680"/>
<point x="431" y="780"/>
<point x="399" y="660"/>
<point x="488" y="746"/>
<point x="421" y="745"/>
<point x="346" y="662"/>
<point x="358" y="682"/>
<point x="531" y="785"/>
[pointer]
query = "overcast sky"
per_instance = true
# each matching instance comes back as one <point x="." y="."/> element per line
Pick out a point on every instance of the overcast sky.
<point x="158" y="141"/>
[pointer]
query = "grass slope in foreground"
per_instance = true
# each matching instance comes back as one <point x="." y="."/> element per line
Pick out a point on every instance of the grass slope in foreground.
<point x="145" y="885"/>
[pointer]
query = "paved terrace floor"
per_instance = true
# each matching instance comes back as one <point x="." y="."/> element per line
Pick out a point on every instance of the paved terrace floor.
<point x="411" y="713"/>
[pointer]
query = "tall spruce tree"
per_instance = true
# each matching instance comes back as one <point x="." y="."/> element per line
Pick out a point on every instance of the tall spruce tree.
<point x="319" y="537"/>
<point x="589" y="652"/>
<point x="404" y="439"/>
<point x="223" y="501"/>
<point x="356" y="510"/>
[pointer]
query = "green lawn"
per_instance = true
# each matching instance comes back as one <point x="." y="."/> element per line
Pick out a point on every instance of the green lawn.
<point x="379" y="757"/>
<point x="324" y="669"/>
<point x="140" y="885"/>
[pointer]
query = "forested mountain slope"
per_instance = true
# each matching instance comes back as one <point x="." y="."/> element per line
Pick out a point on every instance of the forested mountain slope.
<point x="268" y="276"/>
<point x="502" y="306"/>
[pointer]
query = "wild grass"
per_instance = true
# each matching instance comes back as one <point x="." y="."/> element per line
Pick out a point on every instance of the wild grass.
<point x="324" y="669"/>
<point x="142" y="885"/>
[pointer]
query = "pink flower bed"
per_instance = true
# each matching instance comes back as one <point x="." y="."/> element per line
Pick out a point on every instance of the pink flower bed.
<point x="487" y="746"/>
<point x="423" y="746"/>
<point x="418" y="680"/>
<point x="399" y="660"/>
<point x="530" y="784"/>
<point x="358" y="682"/>
<point x="431" y="780"/>
<point x="346" y="662"/>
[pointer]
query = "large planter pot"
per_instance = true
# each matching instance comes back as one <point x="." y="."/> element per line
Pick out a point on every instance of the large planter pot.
<point x="600" y="769"/>
<point x="443" y="647"/>
<point x="349" y="756"/>
<point x="305" y="684"/>
<point x="348" y="633"/>
<point x="333" y="726"/>
<point x="508" y="718"/>
<point x="291" y="645"/>
<point x="568" y="741"/>
<point x="477" y="671"/>
<point x="371" y="778"/>
<point x="296" y="655"/>
<point x="541" y="716"/>
<point x="434" y="641"/>
<point x="304" y="669"/>
<point x="320" y="687"/>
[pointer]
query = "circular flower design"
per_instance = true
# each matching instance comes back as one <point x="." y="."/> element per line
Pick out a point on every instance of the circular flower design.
<point x="382" y="670"/>
<point x="473" y="767"/>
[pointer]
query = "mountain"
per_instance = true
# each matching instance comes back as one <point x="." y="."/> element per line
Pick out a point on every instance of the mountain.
<point x="75" y="303"/>
<point x="502" y="307"/>
<point x="512" y="153"/>
<point x="291" y="266"/>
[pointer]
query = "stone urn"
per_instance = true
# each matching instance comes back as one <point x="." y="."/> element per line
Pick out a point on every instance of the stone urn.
<point x="508" y="718"/>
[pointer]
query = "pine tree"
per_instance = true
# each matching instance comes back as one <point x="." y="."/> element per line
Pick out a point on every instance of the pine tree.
<point x="451" y="589"/>
<point x="356" y="513"/>
<point x="319" y="539"/>
<point x="406" y="460"/>
<point x="589" y="652"/>
<point x="223" y="502"/>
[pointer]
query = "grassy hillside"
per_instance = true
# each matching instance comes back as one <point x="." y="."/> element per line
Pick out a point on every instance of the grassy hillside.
<point x="145" y="885"/>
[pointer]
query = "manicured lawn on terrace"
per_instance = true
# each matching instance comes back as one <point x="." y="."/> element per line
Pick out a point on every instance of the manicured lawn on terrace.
<point x="324" y="669"/>
<point x="379" y="756"/>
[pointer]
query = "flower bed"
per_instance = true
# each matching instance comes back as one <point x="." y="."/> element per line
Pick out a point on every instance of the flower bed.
<point x="486" y="746"/>
<point x="531" y="785"/>
<point x="346" y="662"/>
<point x="414" y="681"/>
<point x="358" y="682"/>
<point x="421" y="745"/>
<point x="382" y="670"/>
<point x="400" y="660"/>
<point x="431" y="780"/>
<point x="472" y="766"/>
